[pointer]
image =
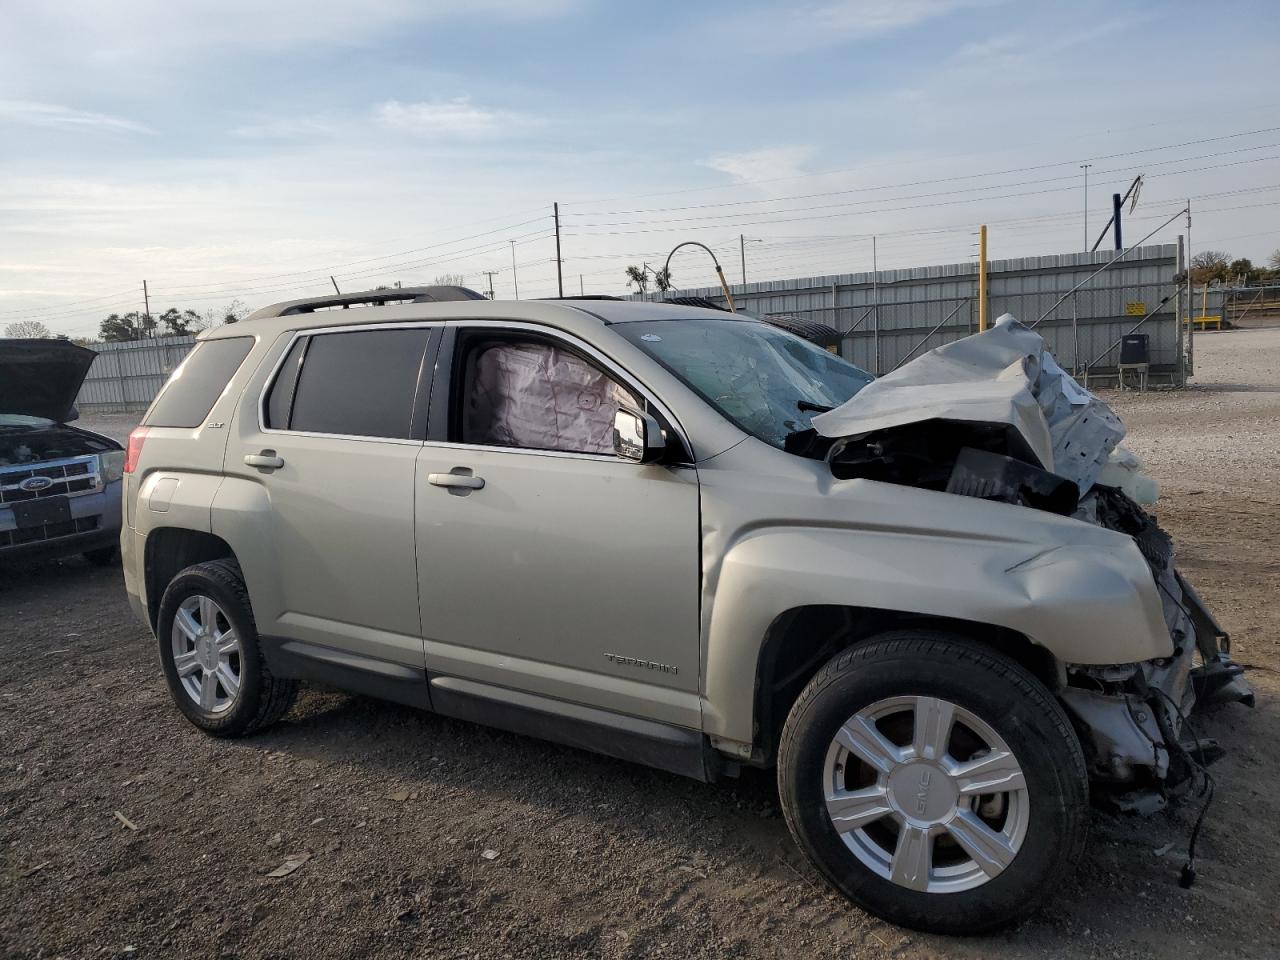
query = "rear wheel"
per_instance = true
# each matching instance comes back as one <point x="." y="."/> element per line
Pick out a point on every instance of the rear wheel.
<point x="208" y="645"/>
<point x="935" y="783"/>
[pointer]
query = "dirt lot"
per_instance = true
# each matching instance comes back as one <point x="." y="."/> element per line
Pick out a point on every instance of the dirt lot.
<point x="593" y="857"/>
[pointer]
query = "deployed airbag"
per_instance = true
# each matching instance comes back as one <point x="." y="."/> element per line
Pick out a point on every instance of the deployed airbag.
<point x="540" y="397"/>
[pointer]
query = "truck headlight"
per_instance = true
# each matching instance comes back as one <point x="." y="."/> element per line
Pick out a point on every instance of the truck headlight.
<point x="111" y="465"/>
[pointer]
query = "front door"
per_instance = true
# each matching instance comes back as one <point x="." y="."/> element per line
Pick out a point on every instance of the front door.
<point x="546" y="564"/>
<point x="333" y="455"/>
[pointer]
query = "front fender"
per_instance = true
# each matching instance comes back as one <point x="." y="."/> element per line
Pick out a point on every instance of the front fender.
<point x="1083" y="602"/>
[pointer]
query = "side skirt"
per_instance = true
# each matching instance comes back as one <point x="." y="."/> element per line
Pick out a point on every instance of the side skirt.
<point x="648" y="742"/>
<point x="299" y="660"/>
<point x="660" y="745"/>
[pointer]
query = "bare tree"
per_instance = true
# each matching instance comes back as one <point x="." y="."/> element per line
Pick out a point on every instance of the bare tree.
<point x="450" y="280"/>
<point x="217" y="316"/>
<point x="27" y="330"/>
<point x="1209" y="265"/>
<point x="1273" y="261"/>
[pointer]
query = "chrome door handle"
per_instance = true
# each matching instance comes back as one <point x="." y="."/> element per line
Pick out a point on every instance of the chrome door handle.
<point x="455" y="480"/>
<point x="266" y="458"/>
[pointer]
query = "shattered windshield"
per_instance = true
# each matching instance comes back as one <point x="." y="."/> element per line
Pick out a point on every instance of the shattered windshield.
<point x="768" y="382"/>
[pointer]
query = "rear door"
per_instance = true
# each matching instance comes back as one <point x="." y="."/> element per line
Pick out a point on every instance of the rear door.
<point x="332" y="443"/>
<point x="547" y="564"/>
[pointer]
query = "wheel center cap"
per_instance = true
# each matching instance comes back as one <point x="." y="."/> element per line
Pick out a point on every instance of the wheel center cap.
<point x="922" y="791"/>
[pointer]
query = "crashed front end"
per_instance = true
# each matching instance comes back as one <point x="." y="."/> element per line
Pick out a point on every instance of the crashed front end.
<point x="993" y="416"/>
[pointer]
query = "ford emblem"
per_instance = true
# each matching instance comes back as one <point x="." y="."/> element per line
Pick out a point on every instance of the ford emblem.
<point x="36" y="484"/>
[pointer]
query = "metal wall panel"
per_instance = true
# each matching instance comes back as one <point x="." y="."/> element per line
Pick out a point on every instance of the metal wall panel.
<point x="899" y="314"/>
<point x="125" y="377"/>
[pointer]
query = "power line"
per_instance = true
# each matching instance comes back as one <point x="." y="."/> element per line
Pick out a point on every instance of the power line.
<point x="936" y="180"/>
<point x="731" y="219"/>
<point x="831" y="173"/>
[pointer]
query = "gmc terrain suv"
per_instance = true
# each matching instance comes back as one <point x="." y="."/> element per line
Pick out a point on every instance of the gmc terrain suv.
<point x="684" y="537"/>
<point x="59" y="485"/>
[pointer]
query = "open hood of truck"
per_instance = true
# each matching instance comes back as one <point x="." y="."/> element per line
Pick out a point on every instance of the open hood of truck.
<point x="40" y="378"/>
<point x="1004" y="376"/>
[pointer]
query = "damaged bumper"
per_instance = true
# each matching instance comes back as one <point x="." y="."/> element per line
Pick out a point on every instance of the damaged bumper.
<point x="1133" y="718"/>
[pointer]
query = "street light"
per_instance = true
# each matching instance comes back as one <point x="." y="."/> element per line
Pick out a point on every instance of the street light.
<point x="720" y="273"/>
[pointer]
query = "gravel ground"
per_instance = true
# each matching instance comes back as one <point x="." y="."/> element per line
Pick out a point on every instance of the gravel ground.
<point x="124" y="832"/>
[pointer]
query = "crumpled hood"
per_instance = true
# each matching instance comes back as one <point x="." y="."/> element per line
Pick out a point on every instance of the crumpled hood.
<point x="1004" y="375"/>
<point x="40" y="378"/>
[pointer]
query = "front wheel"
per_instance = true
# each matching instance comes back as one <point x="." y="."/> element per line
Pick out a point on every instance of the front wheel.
<point x="934" y="782"/>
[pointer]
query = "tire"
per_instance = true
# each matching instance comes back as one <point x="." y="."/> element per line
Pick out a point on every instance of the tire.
<point x="972" y="883"/>
<point x="103" y="556"/>
<point x="259" y="699"/>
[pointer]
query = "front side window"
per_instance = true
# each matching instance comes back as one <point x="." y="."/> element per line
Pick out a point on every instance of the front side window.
<point x="358" y="384"/>
<point x="768" y="382"/>
<point x="538" y="396"/>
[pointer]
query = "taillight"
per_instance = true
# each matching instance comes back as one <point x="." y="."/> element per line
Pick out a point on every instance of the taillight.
<point x="134" y="450"/>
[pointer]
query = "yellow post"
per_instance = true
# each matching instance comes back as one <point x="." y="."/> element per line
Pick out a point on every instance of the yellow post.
<point x="982" y="277"/>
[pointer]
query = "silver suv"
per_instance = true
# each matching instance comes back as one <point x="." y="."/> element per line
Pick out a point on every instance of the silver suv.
<point x="684" y="537"/>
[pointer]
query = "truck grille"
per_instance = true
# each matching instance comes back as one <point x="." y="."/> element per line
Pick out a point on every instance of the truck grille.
<point x="48" y="531"/>
<point x="69" y="478"/>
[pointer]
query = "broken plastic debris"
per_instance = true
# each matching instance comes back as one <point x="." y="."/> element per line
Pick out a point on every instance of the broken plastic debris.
<point x="128" y="824"/>
<point x="489" y="854"/>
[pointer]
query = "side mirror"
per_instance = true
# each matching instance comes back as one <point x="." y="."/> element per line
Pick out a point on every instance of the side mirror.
<point x="637" y="436"/>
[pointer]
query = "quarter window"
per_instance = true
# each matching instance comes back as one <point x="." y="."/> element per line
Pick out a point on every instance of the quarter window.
<point x="359" y="384"/>
<point x="196" y="384"/>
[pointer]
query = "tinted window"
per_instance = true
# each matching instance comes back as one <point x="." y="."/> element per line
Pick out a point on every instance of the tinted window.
<point x="359" y="384"/>
<point x="199" y="380"/>
<point x="280" y="399"/>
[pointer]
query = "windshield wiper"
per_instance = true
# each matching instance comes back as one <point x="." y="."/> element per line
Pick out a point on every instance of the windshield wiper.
<point x="806" y="407"/>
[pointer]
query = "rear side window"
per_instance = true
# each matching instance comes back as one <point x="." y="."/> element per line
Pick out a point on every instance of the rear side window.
<point x="359" y="384"/>
<point x="199" y="380"/>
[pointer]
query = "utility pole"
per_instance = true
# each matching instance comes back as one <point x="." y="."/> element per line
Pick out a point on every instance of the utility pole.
<point x="982" y="278"/>
<point x="146" y="306"/>
<point x="335" y="285"/>
<point x="875" y="300"/>
<point x="489" y="274"/>
<point x="1085" y="167"/>
<point x="514" y="279"/>
<point x="559" y="262"/>
<point x="581" y="292"/>
<point x="742" y="247"/>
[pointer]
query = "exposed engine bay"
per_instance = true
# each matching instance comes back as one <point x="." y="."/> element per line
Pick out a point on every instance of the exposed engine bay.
<point x="993" y="416"/>
<point x="25" y="444"/>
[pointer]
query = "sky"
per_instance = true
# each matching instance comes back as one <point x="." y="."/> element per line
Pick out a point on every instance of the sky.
<point x="243" y="150"/>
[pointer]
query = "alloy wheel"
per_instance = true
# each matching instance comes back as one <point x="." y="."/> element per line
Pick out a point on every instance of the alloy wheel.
<point x="207" y="655"/>
<point x="926" y="794"/>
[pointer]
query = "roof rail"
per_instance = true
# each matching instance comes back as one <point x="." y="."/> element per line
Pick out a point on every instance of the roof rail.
<point x="435" y="294"/>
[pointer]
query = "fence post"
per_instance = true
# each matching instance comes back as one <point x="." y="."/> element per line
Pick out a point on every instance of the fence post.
<point x="1183" y="312"/>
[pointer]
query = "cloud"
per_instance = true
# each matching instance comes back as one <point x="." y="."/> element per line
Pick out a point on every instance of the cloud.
<point x="54" y="115"/>
<point x="770" y="163"/>
<point x="458" y="118"/>
<point x="287" y="128"/>
<point x="809" y="26"/>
